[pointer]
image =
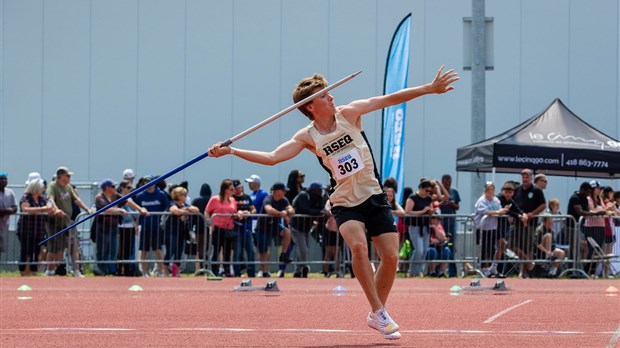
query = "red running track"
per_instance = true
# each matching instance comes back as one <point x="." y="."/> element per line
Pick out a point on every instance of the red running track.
<point x="184" y="312"/>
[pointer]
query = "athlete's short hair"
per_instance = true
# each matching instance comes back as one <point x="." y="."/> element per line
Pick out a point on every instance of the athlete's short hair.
<point x="305" y="88"/>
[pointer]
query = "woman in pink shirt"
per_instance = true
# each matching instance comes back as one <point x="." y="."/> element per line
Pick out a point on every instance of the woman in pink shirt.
<point x="223" y="233"/>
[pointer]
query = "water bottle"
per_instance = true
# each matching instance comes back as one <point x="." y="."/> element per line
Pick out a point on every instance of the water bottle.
<point x="339" y="291"/>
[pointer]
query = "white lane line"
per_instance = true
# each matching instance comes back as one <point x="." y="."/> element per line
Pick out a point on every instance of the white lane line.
<point x="491" y="319"/>
<point x="614" y="339"/>
<point x="616" y="334"/>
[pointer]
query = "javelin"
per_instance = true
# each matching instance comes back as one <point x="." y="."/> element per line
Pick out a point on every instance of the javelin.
<point x="206" y="154"/>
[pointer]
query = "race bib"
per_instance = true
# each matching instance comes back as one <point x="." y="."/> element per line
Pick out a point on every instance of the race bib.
<point x="347" y="164"/>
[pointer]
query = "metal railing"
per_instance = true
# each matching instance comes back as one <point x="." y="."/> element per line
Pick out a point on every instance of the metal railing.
<point x="162" y="243"/>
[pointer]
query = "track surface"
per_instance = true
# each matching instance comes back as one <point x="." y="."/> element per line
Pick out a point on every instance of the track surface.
<point x="184" y="312"/>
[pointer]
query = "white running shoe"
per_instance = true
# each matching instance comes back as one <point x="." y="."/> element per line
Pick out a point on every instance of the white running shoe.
<point x="382" y="322"/>
<point x="78" y="274"/>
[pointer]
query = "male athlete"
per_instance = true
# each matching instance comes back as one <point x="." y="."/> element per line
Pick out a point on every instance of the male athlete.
<point x="335" y="135"/>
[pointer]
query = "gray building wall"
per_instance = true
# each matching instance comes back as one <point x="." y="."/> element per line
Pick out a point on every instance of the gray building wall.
<point x="105" y="85"/>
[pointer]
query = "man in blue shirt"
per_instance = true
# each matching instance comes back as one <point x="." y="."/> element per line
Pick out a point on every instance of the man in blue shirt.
<point x="151" y="236"/>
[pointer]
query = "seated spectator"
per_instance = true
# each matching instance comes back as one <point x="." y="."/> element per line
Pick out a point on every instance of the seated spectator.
<point x="31" y="225"/>
<point x="437" y="250"/>
<point x="545" y="248"/>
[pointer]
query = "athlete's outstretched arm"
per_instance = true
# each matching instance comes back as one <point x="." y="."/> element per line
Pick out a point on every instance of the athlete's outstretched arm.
<point x="442" y="83"/>
<point x="283" y="152"/>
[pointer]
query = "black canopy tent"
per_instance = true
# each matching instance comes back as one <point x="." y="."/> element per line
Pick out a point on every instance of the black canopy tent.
<point x="555" y="142"/>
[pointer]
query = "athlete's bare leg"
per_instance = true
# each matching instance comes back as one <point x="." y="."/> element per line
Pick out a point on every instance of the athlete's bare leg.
<point x="354" y="233"/>
<point x="387" y="245"/>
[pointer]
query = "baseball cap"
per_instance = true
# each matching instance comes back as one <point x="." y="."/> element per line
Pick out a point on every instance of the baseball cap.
<point x="107" y="183"/>
<point x="32" y="177"/>
<point x="253" y="179"/>
<point x="595" y="184"/>
<point x="315" y="186"/>
<point x="236" y="183"/>
<point x="585" y="186"/>
<point x="63" y="170"/>
<point x="278" y="186"/>
<point x="128" y="174"/>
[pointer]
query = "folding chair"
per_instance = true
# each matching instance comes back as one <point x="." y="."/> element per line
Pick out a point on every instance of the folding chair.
<point x="599" y="255"/>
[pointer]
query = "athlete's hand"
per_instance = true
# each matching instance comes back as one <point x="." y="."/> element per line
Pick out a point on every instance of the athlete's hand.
<point x="218" y="151"/>
<point x="443" y="81"/>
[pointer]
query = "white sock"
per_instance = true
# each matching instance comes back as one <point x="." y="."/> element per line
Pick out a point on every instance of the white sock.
<point x="553" y="270"/>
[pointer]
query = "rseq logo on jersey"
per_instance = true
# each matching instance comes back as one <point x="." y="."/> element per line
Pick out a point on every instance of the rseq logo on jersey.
<point x="336" y="145"/>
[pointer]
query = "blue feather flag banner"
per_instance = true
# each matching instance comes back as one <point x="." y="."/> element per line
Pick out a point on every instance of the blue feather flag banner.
<point x="396" y="71"/>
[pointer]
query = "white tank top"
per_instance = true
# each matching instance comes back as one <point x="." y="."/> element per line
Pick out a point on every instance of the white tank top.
<point x="347" y="158"/>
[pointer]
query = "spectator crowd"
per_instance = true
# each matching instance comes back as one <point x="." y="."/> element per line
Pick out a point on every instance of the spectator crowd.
<point x="234" y="233"/>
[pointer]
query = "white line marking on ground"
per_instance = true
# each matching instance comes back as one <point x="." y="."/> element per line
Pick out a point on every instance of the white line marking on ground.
<point x="614" y="339"/>
<point x="491" y="319"/>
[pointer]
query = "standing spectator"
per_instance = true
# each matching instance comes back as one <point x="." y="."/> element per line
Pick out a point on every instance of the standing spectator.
<point x="294" y="184"/>
<point x="8" y="207"/>
<point x="333" y="242"/>
<point x="545" y="248"/>
<point x="106" y="228"/>
<point x="129" y="175"/>
<point x="437" y="249"/>
<point x="308" y="202"/>
<point x="257" y="194"/>
<point x="504" y="224"/>
<point x="31" y="225"/>
<point x="419" y="207"/>
<point x="224" y="236"/>
<point x="450" y="207"/>
<point x="578" y="208"/>
<point x="127" y="232"/>
<point x="62" y="196"/>
<point x="176" y="230"/>
<point x="594" y="226"/>
<point x="276" y="207"/>
<point x="397" y="210"/>
<point x="558" y="223"/>
<point x="151" y="237"/>
<point x="488" y="208"/>
<point x="199" y="225"/>
<point x="540" y="180"/>
<point x="610" y="238"/>
<point x="243" y="226"/>
<point x="532" y="201"/>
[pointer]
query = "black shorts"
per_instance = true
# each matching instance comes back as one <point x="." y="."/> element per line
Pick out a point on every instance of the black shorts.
<point x="375" y="213"/>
